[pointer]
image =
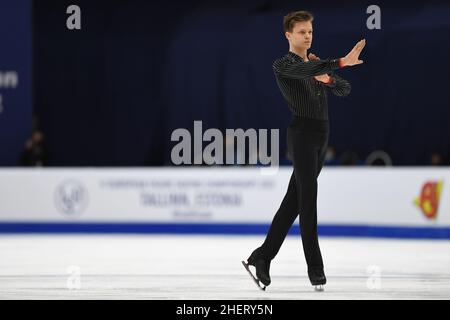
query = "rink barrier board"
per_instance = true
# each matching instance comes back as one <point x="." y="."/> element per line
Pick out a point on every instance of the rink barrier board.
<point x="401" y="232"/>
<point x="364" y="202"/>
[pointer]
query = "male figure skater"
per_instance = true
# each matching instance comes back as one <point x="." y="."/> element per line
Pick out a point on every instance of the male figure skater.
<point x="303" y="81"/>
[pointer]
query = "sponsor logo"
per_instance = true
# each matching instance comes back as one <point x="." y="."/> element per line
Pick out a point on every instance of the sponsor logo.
<point x="71" y="198"/>
<point x="428" y="200"/>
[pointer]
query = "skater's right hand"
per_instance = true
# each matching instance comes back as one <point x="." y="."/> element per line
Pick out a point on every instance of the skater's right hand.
<point x="352" y="58"/>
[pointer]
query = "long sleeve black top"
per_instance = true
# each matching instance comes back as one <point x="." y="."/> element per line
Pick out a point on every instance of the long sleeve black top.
<point x="307" y="97"/>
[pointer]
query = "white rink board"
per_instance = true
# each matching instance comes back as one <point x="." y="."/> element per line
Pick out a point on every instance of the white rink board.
<point x="347" y="196"/>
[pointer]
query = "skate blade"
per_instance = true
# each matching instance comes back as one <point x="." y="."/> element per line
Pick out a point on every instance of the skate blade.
<point x="258" y="283"/>
<point x="319" y="288"/>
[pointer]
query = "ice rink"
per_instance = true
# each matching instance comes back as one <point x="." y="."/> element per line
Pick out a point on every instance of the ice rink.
<point x="209" y="267"/>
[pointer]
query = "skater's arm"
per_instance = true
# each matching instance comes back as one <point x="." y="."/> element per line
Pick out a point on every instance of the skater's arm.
<point x="303" y="70"/>
<point x="338" y="86"/>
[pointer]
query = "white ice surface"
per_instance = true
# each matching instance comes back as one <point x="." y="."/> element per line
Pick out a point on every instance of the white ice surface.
<point x="209" y="267"/>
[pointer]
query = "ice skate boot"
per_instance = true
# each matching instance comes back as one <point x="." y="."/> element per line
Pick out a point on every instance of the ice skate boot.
<point x="317" y="278"/>
<point x="262" y="267"/>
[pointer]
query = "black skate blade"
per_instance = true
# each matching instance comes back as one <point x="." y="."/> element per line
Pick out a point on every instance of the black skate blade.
<point x="258" y="283"/>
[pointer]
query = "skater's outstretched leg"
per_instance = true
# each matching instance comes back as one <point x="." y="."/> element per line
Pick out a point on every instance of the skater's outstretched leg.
<point x="283" y="220"/>
<point x="281" y="223"/>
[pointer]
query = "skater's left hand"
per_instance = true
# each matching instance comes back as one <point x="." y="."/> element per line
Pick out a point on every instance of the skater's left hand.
<point x="313" y="57"/>
<point x="325" y="78"/>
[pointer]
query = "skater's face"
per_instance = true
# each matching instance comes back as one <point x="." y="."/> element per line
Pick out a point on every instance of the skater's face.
<point x="301" y="35"/>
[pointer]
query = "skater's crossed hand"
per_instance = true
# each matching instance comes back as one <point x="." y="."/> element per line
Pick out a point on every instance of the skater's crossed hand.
<point x="323" y="77"/>
<point x="313" y="57"/>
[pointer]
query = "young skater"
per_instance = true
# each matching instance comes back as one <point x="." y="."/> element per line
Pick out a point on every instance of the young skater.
<point x="304" y="81"/>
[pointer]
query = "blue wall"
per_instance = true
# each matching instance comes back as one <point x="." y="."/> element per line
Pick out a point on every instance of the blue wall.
<point x="16" y="97"/>
<point x="112" y="93"/>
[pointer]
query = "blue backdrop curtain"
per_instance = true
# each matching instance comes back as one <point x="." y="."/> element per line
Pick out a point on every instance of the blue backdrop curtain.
<point x="111" y="93"/>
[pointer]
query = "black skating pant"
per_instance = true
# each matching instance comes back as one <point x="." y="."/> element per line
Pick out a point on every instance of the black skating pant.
<point x="307" y="144"/>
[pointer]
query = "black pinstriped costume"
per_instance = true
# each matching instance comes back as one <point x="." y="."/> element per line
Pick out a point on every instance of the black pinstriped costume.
<point x="307" y="136"/>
